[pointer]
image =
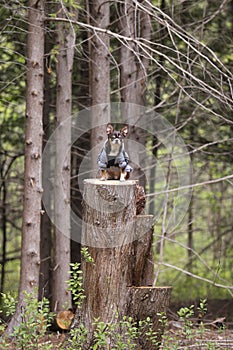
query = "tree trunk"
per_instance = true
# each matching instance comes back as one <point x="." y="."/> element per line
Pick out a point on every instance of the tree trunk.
<point x="61" y="261"/>
<point x="81" y="146"/>
<point x="4" y="234"/>
<point x="99" y="78"/>
<point x="121" y="245"/>
<point x="46" y="226"/>
<point x="30" y="256"/>
<point x="134" y="23"/>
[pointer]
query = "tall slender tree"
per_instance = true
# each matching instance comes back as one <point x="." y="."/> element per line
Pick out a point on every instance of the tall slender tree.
<point x="46" y="225"/>
<point x="30" y="251"/>
<point x="61" y="259"/>
<point x="133" y="23"/>
<point x="99" y="74"/>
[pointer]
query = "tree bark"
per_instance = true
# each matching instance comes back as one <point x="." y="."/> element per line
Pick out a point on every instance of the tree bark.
<point x="134" y="23"/>
<point x="30" y="249"/>
<point x="152" y="302"/>
<point x="143" y="270"/>
<point x="108" y="232"/>
<point x="113" y="204"/>
<point x="4" y="235"/>
<point x="121" y="245"/>
<point x="46" y="226"/>
<point x="61" y="260"/>
<point x="99" y="78"/>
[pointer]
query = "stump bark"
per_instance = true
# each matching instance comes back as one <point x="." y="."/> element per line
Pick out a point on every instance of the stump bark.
<point x="152" y="302"/>
<point x="120" y="242"/>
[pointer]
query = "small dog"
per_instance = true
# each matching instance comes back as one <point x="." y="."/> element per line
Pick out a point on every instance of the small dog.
<point x="113" y="159"/>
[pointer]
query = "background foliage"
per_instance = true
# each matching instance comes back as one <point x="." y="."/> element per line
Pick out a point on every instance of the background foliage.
<point x="189" y="82"/>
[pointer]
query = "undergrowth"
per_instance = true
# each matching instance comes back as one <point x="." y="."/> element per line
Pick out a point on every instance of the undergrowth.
<point x="122" y="334"/>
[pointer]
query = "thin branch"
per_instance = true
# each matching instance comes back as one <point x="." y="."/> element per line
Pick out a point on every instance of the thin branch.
<point x="209" y="182"/>
<point x="229" y="288"/>
<point x="146" y="47"/>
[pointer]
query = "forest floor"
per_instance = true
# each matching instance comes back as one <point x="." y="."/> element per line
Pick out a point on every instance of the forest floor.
<point x="211" y="339"/>
<point x="197" y="338"/>
<point x="213" y="332"/>
<point x="175" y="338"/>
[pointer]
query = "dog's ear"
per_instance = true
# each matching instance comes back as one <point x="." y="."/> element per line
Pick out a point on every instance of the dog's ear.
<point x="109" y="129"/>
<point x="125" y="130"/>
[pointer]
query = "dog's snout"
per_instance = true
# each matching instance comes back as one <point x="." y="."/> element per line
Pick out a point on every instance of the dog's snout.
<point x="116" y="139"/>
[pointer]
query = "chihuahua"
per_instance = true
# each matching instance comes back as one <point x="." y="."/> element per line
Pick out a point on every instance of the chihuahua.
<point x="113" y="159"/>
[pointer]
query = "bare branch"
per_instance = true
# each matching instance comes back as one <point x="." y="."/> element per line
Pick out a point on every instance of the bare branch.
<point x="209" y="182"/>
<point x="229" y="288"/>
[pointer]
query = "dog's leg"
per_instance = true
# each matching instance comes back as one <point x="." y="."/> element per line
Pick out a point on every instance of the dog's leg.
<point x="103" y="175"/>
<point x="123" y="175"/>
<point x="127" y="175"/>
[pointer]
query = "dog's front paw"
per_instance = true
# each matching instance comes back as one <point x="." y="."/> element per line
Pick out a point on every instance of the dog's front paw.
<point x="122" y="178"/>
<point x="103" y="176"/>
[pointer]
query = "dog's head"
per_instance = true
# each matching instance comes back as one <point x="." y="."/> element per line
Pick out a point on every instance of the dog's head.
<point x="116" y="137"/>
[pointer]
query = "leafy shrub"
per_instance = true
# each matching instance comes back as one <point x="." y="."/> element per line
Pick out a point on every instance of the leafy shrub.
<point x="35" y="320"/>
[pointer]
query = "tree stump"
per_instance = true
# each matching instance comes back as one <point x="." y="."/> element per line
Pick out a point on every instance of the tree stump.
<point x="152" y="302"/>
<point x="120" y="243"/>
